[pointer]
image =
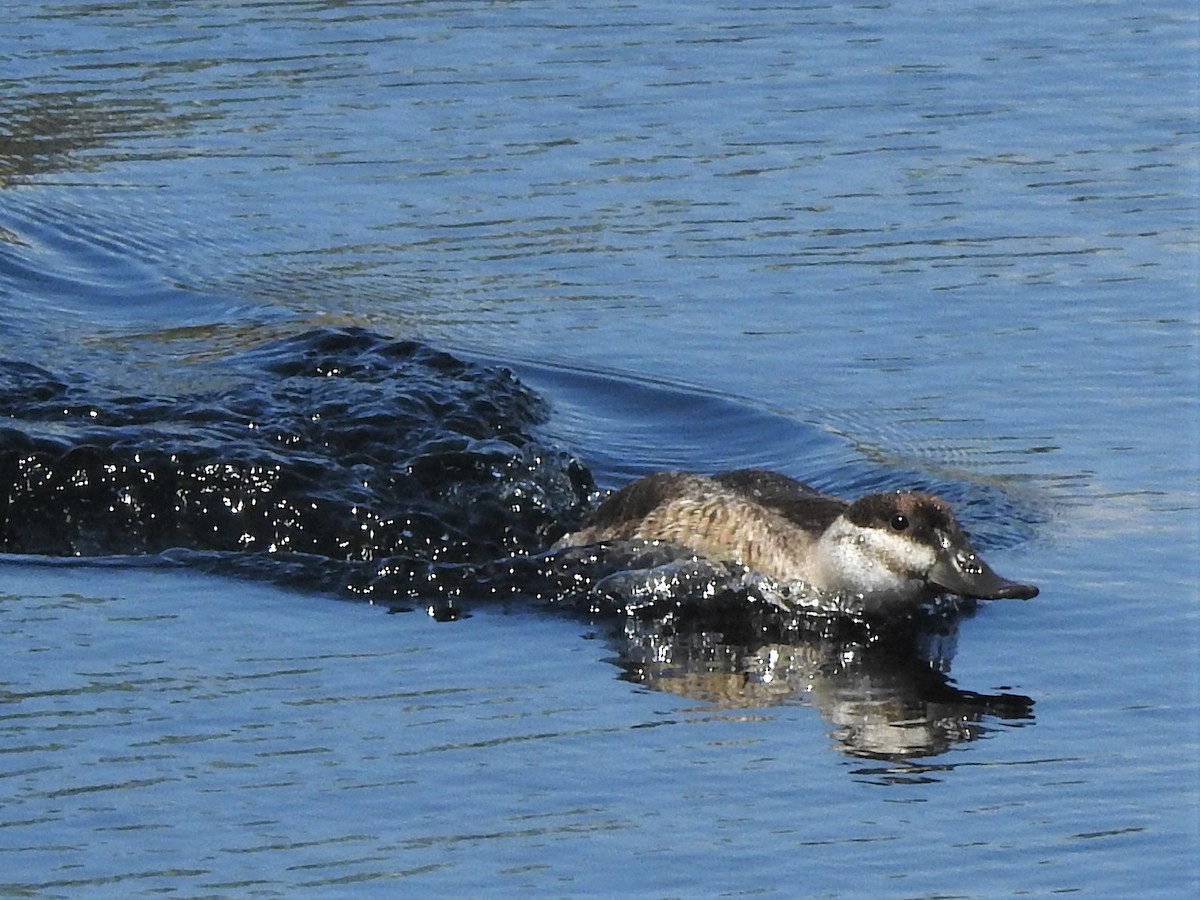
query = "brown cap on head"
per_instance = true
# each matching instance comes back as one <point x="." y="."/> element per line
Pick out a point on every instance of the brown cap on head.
<point x="922" y="516"/>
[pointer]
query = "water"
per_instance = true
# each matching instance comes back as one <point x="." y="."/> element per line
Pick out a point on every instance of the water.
<point x="863" y="245"/>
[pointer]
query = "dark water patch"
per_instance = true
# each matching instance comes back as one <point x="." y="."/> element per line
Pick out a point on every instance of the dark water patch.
<point x="336" y="447"/>
<point x="627" y="427"/>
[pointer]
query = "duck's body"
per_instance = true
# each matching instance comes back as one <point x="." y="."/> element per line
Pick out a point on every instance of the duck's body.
<point x="905" y="544"/>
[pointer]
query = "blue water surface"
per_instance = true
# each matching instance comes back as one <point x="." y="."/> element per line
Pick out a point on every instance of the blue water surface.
<point x="957" y="240"/>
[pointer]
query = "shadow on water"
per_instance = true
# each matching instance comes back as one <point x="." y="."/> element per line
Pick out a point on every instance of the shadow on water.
<point x="344" y="462"/>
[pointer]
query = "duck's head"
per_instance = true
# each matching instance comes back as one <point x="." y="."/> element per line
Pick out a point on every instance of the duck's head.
<point x="910" y="545"/>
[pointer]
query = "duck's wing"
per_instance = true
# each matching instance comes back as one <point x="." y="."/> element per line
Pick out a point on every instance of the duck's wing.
<point x="794" y="500"/>
<point x="622" y="512"/>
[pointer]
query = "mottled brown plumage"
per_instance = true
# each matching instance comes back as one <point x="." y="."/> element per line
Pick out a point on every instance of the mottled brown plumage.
<point x="906" y="543"/>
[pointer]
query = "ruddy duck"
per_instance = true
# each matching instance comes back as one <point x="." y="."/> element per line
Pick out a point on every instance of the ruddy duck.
<point x="906" y="546"/>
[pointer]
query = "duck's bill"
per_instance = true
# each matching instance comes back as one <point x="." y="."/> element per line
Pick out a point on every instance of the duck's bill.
<point x="967" y="575"/>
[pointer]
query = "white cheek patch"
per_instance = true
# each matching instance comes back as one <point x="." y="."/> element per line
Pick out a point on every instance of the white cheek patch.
<point x="867" y="559"/>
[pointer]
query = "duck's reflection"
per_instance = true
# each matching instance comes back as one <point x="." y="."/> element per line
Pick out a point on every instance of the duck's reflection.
<point x="711" y="633"/>
<point x="885" y="695"/>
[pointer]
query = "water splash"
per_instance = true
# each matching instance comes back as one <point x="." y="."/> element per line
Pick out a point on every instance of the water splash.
<point x="338" y="451"/>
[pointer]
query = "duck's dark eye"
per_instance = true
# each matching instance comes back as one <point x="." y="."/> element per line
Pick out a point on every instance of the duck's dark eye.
<point x="899" y="522"/>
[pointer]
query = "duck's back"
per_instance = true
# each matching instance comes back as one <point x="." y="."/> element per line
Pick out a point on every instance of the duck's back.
<point x="800" y="504"/>
<point x="765" y="521"/>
